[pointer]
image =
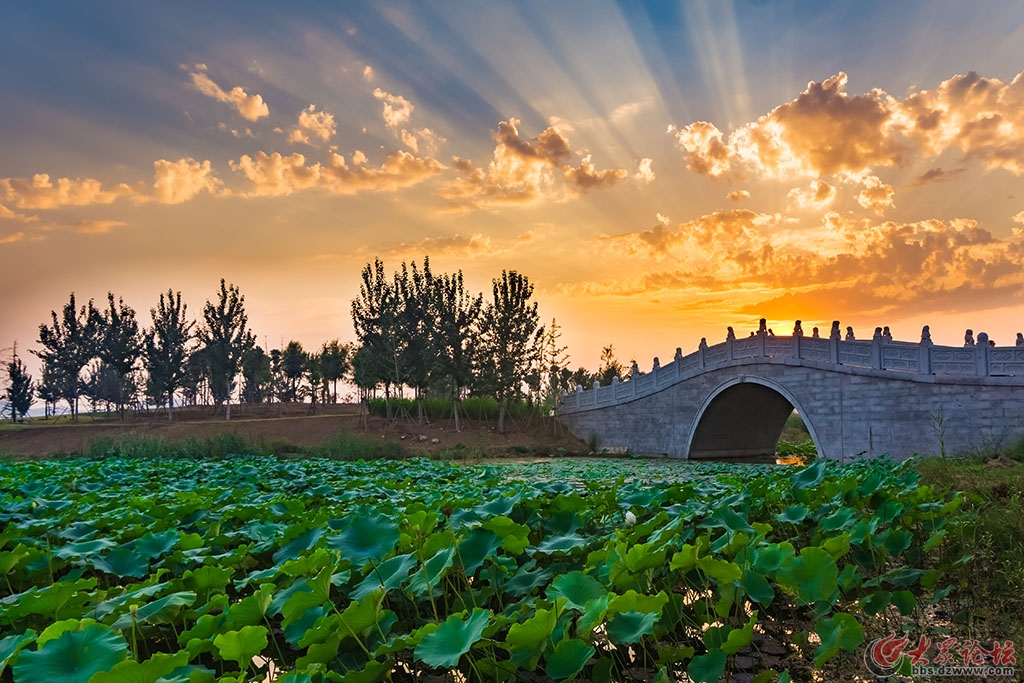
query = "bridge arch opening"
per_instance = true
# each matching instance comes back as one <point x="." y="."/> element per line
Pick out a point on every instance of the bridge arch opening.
<point x="743" y="419"/>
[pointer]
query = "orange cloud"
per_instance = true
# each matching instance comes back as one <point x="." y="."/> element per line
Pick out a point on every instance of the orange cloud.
<point x="313" y="123"/>
<point x="397" y="109"/>
<point x="180" y="181"/>
<point x="825" y="131"/>
<point x="42" y="193"/>
<point x="249" y="107"/>
<point x="819" y="195"/>
<point x="738" y="195"/>
<point x="876" y="195"/>
<point x="96" y="227"/>
<point x="586" y="176"/>
<point x="274" y="175"/>
<point x="523" y="170"/>
<point x="12" y="238"/>
<point x="644" y="173"/>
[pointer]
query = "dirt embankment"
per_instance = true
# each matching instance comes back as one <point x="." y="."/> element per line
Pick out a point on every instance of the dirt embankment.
<point x="288" y="425"/>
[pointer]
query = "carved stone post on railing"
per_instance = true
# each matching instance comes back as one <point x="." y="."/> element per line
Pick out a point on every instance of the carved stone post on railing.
<point x="762" y="334"/>
<point x="730" y="337"/>
<point x="1020" y="339"/>
<point x="655" y="366"/>
<point x="615" y="391"/>
<point x="579" y="395"/>
<point x="886" y="335"/>
<point x="876" y="349"/>
<point x="982" y="350"/>
<point x="798" y="334"/>
<point x="701" y="351"/>
<point x="679" y="362"/>
<point x="833" y="343"/>
<point x="925" y="364"/>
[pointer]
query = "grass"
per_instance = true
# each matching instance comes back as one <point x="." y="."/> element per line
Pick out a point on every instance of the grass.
<point x="989" y="598"/>
<point x="474" y="407"/>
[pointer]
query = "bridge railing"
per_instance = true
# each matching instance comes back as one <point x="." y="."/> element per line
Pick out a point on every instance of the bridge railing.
<point x="974" y="359"/>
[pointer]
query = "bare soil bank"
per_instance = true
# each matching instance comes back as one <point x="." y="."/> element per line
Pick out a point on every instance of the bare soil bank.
<point x="290" y="426"/>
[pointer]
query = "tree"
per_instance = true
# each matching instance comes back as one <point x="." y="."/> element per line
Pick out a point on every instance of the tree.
<point x="335" y="362"/>
<point x="256" y="377"/>
<point x="456" y="315"/>
<point x="551" y="360"/>
<point x="48" y="390"/>
<point x="225" y="338"/>
<point x="166" y="348"/>
<point x="510" y="339"/>
<point x="293" y="364"/>
<point x="19" y="388"/>
<point x="68" y="346"/>
<point x="376" y="320"/>
<point x="417" y="318"/>
<point x="120" y="346"/>
<point x="610" y="367"/>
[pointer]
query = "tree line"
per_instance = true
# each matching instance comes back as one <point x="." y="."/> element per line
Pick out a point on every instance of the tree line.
<point x="414" y="330"/>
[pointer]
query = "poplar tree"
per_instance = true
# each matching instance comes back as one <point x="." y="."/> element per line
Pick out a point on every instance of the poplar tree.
<point x="166" y="348"/>
<point x="510" y="339"/>
<point x="68" y="346"/>
<point x="225" y="338"/>
<point x="377" y="324"/>
<point x="456" y="315"/>
<point x="20" y="388"/>
<point x="120" y="346"/>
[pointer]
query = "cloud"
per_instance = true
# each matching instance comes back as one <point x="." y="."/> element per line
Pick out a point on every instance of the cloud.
<point x="245" y="133"/>
<point x="12" y="238"/>
<point x="180" y="181"/>
<point x="461" y="246"/>
<point x="318" y="124"/>
<point x="586" y="177"/>
<point x="397" y="109"/>
<point x="42" y="193"/>
<point x="1018" y="218"/>
<point x="819" y="195"/>
<point x="827" y="132"/>
<point x="982" y="117"/>
<point x="429" y="140"/>
<point x="707" y="153"/>
<point x="249" y="107"/>
<point x="524" y="170"/>
<point x="738" y="195"/>
<point x="876" y="195"/>
<point x="274" y="175"/>
<point x="644" y="173"/>
<point x="456" y="245"/>
<point x="368" y="73"/>
<point x="938" y="175"/>
<point x="7" y="214"/>
<point x="631" y="109"/>
<point x="662" y="218"/>
<point x="871" y="267"/>
<point x="96" y="227"/>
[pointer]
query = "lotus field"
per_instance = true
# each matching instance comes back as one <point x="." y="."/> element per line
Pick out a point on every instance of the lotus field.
<point x="121" y="570"/>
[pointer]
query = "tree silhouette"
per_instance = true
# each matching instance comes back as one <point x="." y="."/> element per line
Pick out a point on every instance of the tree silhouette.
<point x="18" y="393"/>
<point x="166" y="348"/>
<point x="456" y="314"/>
<point x="68" y="346"/>
<point x="225" y="338"/>
<point x="120" y="346"/>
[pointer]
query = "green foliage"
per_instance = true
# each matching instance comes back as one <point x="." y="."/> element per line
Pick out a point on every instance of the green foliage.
<point x="137" y="566"/>
<point x="18" y="393"/>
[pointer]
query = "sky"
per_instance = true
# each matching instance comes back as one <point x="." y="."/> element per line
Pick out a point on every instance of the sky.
<point x="659" y="171"/>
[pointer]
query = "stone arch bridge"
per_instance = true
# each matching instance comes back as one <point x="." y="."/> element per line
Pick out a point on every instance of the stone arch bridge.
<point x="858" y="398"/>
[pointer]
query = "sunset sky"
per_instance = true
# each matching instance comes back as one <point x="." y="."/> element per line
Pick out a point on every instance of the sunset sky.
<point x="659" y="171"/>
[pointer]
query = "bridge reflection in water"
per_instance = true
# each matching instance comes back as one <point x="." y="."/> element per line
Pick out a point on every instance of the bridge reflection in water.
<point x="858" y="398"/>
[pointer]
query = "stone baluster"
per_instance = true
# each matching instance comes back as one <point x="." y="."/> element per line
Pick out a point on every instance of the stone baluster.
<point x="1020" y="339"/>
<point x="762" y="335"/>
<point x="615" y="390"/>
<point x="655" y="367"/>
<point x="833" y="346"/>
<point x="701" y="351"/>
<point x="730" y="337"/>
<point x="876" y="349"/>
<point x="679" y="362"/>
<point x="579" y="395"/>
<point x="982" y="351"/>
<point x="798" y="334"/>
<point x="886" y="335"/>
<point x="925" y="364"/>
